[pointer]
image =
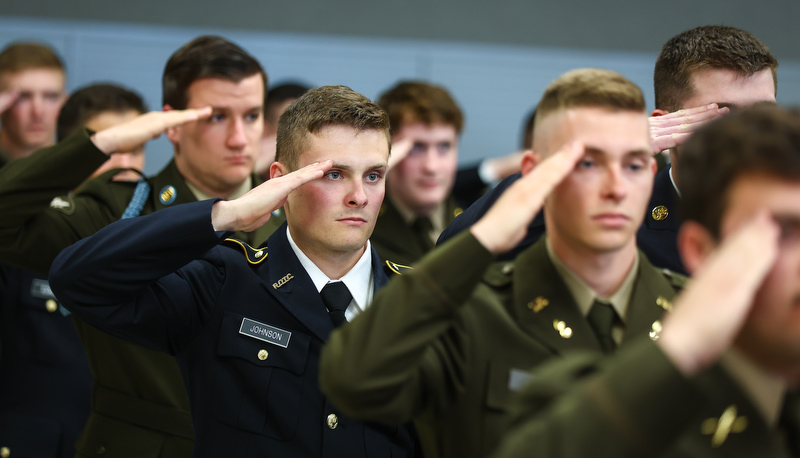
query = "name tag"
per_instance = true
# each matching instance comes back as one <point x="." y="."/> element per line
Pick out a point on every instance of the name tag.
<point x="518" y="378"/>
<point x="41" y="289"/>
<point x="265" y="332"/>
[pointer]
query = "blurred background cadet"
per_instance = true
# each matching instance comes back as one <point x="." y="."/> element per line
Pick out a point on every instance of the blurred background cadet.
<point x="278" y="98"/>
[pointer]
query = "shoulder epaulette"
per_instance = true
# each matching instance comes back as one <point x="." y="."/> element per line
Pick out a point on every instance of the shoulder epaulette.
<point x="253" y="255"/>
<point x="397" y="269"/>
<point x="678" y="281"/>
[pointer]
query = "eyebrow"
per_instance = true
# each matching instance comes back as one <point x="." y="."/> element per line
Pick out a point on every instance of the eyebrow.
<point x="599" y="152"/>
<point x="347" y="168"/>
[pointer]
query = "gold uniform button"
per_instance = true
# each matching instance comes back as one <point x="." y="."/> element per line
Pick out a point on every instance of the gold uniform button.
<point x="333" y="421"/>
<point x="51" y="305"/>
<point x="660" y="213"/>
<point x="5" y="452"/>
<point x="263" y="354"/>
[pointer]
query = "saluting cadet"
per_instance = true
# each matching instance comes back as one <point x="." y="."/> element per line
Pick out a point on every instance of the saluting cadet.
<point x="426" y="123"/>
<point x="699" y="75"/>
<point x="213" y="93"/>
<point x="247" y="324"/>
<point x="447" y="344"/>
<point x="722" y="378"/>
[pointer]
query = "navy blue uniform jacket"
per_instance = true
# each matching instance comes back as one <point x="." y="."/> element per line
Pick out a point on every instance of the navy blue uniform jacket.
<point x="164" y="281"/>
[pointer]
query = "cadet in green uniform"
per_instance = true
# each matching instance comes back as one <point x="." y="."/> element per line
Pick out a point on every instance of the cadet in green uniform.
<point x="426" y="123"/>
<point x="447" y="344"/>
<point x="140" y="406"/>
<point x="722" y="379"/>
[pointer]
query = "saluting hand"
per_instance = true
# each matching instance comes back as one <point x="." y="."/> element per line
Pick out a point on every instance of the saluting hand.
<point x="506" y="222"/>
<point x="131" y="134"/>
<point x="253" y="210"/>
<point x="672" y="129"/>
<point x="709" y="313"/>
<point x="7" y="98"/>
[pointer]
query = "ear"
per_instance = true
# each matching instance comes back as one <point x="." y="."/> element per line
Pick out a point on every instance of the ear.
<point x="172" y="133"/>
<point x="659" y="112"/>
<point x="277" y="169"/>
<point x="695" y="244"/>
<point x="530" y="159"/>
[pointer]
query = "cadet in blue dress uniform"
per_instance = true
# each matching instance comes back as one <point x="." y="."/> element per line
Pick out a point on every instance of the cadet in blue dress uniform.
<point x="247" y="325"/>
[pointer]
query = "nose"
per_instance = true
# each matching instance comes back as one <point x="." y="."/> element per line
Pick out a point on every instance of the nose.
<point x="237" y="138"/>
<point x="357" y="197"/>
<point x="37" y="106"/>
<point x="614" y="187"/>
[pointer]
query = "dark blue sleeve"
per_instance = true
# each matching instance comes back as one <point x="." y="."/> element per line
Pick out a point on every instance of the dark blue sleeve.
<point x="151" y="279"/>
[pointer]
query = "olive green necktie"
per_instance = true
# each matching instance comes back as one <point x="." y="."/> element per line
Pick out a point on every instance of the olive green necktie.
<point x="601" y="319"/>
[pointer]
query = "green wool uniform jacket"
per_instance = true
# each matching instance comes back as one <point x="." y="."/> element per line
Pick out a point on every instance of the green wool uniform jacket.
<point x="139" y="403"/>
<point x="397" y="241"/>
<point x="637" y="404"/>
<point x="447" y="344"/>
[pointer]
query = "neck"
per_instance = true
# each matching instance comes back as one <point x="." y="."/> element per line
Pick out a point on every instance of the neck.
<point x="333" y="264"/>
<point x="604" y="272"/>
<point x="11" y="151"/>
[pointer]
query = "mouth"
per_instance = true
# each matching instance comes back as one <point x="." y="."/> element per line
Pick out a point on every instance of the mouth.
<point x="353" y="221"/>
<point x="611" y="219"/>
<point x="237" y="159"/>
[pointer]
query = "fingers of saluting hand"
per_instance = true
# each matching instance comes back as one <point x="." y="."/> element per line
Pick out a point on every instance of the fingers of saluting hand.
<point x="672" y="129"/>
<point x="7" y="98"/>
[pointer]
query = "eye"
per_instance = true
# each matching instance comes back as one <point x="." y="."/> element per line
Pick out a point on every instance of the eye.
<point x="252" y="117"/>
<point x="333" y="175"/>
<point x="418" y="148"/>
<point x="216" y="118"/>
<point x="372" y="177"/>
<point x="586" y="163"/>
<point x="444" y="147"/>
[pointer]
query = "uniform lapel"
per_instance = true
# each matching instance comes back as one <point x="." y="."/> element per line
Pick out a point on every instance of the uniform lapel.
<point x="292" y="287"/>
<point x="545" y="306"/>
<point x="651" y="295"/>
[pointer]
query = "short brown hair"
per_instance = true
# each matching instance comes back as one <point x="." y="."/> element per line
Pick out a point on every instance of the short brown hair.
<point x="707" y="47"/>
<point x="760" y="139"/>
<point x="90" y="101"/>
<point x="20" y="56"/>
<point x="414" y="101"/>
<point x="321" y="107"/>
<point x="207" y="56"/>
<point x="590" y="87"/>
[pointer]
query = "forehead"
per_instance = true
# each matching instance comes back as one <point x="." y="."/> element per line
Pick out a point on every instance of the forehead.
<point x="755" y="192"/>
<point x="597" y="128"/>
<point x="346" y="145"/>
<point x="35" y="79"/>
<point x="222" y="93"/>
<point x="723" y="86"/>
<point x="420" y="130"/>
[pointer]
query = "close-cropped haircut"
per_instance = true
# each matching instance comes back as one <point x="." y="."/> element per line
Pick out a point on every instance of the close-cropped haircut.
<point x="708" y="47"/>
<point x="760" y="139"/>
<point x="90" y="101"/>
<point x="207" y="56"/>
<point x="414" y="101"/>
<point x="20" y="56"/>
<point x="590" y="88"/>
<point x="322" y="107"/>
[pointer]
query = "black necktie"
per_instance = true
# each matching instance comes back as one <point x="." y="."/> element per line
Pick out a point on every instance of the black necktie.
<point x="601" y="319"/>
<point x="336" y="297"/>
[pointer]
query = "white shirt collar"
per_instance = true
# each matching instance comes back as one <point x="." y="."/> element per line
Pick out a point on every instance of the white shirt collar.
<point x="359" y="279"/>
<point x="672" y="180"/>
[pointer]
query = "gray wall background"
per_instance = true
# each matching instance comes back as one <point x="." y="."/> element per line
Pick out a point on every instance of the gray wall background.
<point x="495" y="57"/>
